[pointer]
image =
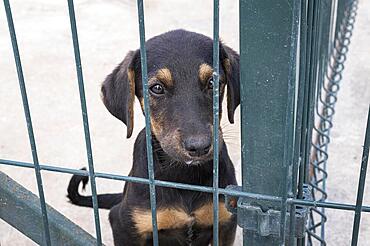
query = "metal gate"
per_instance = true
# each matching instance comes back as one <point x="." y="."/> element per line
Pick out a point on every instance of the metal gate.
<point x="292" y="55"/>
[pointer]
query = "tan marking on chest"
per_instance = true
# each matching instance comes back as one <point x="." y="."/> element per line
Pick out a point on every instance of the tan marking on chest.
<point x="168" y="218"/>
<point x="176" y="218"/>
<point x="204" y="214"/>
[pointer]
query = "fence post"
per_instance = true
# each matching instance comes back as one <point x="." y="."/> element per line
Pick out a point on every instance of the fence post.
<point x="268" y="53"/>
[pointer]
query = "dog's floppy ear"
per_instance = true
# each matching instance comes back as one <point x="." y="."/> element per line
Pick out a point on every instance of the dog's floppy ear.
<point x="230" y="63"/>
<point x="118" y="91"/>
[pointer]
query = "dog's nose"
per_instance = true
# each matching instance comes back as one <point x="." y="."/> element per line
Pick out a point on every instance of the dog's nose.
<point x="197" y="146"/>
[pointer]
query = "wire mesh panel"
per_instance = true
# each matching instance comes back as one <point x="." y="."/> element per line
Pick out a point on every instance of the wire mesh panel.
<point x="333" y="50"/>
<point x="289" y="86"/>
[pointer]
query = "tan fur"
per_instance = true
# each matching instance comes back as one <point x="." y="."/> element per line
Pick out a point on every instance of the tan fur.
<point x="167" y="218"/>
<point x="152" y="80"/>
<point x="175" y="218"/>
<point x="164" y="75"/>
<point x="131" y="78"/>
<point x="204" y="214"/>
<point x="142" y="103"/>
<point x="205" y="72"/>
<point x="156" y="123"/>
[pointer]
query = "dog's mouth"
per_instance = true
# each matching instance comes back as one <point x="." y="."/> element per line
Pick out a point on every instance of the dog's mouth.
<point x="189" y="160"/>
<point x="181" y="156"/>
<point x="176" y="151"/>
<point x="194" y="162"/>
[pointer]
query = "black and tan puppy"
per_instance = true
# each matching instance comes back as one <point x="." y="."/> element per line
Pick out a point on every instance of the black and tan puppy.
<point x="180" y="91"/>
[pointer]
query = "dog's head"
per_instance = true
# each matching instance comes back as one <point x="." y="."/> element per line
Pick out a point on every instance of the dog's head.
<point x="180" y="92"/>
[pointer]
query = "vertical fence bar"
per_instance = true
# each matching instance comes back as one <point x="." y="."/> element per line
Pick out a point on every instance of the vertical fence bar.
<point x="306" y="33"/>
<point x="297" y="160"/>
<point x="316" y="66"/>
<point x="216" y="119"/>
<point x="322" y="157"/>
<point x="361" y="183"/>
<point x="289" y="140"/>
<point x="144" y="77"/>
<point x="85" y="118"/>
<point x="311" y="79"/>
<point x="304" y="68"/>
<point x="28" y="120"/>
<point x="303" y="90"/>
<point x="265" y="69"/>
<point x="321" y="125"/>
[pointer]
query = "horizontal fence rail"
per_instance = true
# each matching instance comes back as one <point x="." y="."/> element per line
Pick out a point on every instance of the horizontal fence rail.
<point x="293" y="72"/>
<point x="326" y="204"/>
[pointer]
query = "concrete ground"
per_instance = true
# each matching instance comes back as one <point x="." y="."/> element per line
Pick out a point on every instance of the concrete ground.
<point x="107" y="30"/>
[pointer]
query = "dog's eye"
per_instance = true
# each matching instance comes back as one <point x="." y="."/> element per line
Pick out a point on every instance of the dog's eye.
<point x="157" y="89"/>
<point x="210" y="83"/>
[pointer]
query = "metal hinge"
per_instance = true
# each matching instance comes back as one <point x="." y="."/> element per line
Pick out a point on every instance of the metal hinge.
<point x="253" y="218"/>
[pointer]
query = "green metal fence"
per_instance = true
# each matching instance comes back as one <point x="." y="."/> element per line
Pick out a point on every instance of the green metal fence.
<point x="292" y="55"/>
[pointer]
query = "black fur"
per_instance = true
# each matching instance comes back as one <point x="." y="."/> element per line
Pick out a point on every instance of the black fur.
<point x="184" y="110"/>
<point x="106" y="201"/>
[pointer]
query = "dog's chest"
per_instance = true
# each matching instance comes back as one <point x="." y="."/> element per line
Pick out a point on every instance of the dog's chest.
<point x="169" y="218"/>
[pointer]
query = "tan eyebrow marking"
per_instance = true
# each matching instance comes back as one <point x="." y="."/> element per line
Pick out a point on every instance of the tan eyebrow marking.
<point x="205" y="72"/>
<point x="164" y="75"/>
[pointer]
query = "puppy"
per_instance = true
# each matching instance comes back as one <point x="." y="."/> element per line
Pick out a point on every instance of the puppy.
<point x="180" y="99"/>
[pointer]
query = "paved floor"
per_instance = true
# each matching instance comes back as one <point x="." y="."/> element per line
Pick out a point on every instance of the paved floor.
<point x="107" y="30"/>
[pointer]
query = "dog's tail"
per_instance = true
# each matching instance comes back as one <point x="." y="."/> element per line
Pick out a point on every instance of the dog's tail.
<point x="105" y="201"/>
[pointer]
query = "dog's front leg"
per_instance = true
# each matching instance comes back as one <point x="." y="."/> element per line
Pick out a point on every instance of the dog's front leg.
<point x="124" y="232"/>
<point x="227" y="232"/>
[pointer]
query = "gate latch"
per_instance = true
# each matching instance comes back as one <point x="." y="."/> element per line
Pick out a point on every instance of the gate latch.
<point x="251" y="216"/>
